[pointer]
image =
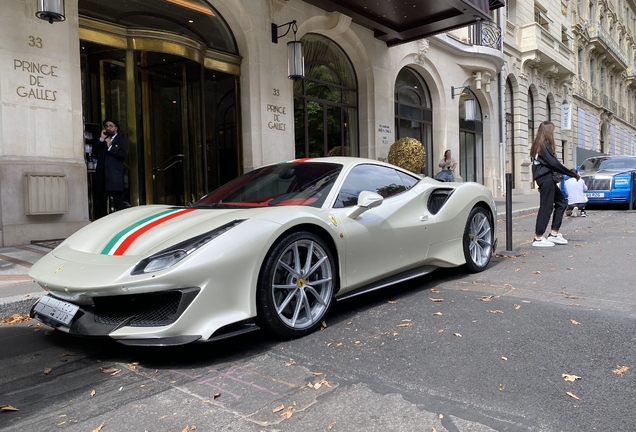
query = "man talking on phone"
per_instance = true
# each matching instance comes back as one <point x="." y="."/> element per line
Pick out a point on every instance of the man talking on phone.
<point x="109" y="173"/>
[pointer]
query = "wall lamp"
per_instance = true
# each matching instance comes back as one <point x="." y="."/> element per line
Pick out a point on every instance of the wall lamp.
<point x="51" y="10"/>
<point x="295" y="58"/>
<point x="460" y="89"/>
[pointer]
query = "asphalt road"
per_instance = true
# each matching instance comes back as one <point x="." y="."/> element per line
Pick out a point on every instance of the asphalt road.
<point x="449" y="352"/>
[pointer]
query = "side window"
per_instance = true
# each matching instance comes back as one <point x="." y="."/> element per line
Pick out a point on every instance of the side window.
<point x="382" y="180"/>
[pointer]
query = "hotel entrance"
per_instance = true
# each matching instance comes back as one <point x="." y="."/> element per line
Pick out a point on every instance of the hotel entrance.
<point x="176" y="102"/>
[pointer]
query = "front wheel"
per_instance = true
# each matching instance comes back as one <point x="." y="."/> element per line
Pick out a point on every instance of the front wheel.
<point x="478" y="240"/>
<point x="296" y="285"/>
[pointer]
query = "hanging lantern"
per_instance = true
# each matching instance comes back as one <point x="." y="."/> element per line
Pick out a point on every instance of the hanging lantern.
<point x="51" y="10"/>
<point x="295" y="60"/>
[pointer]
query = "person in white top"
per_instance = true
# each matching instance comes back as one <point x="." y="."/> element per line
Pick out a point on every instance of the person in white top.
<point x="575" y="188"/>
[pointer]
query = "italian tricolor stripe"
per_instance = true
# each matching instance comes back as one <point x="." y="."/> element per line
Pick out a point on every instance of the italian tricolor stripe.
<point x="123" y="239"/>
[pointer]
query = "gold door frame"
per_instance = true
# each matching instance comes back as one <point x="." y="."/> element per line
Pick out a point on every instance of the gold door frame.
<point x="139" y="40"/>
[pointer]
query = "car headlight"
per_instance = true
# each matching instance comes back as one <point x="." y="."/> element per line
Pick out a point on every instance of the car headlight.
<point x="172" y="255"/>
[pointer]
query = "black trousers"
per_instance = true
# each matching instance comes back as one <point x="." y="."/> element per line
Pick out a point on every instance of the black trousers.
<point x="102" y="200"/>
<point x="551" y="202"/>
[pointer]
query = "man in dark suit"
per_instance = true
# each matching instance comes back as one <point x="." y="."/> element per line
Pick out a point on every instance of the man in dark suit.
<point x="109" y="173"/>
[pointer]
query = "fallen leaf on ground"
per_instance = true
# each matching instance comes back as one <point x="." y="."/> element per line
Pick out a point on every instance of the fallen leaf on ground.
<point x="109" y="370"/>
<point x="504" y="358"/>
<point x="331" y="425"/>
<point x="323" y="325"/>
<point x="16" y="319"/>
<point x="133" y="365"/>
<point x="436" y="300"/>
<point x="47" y="371"/>
<point x="99" y="428"/>
<point x="392" y="302"/>
<point x="216" y="395"/>
<point x="575" y="322"/>
<point x="517" y="306"/>
<point x="278" y="408"/>
<point x="496" y="311"/>
<point x="574" y="304"/>
<point x="526" y="301"/>
<point x="290" y="363"/>
<point x="67" y="355"/>
<point x="288" y="413"/>
<point x="501" y="387"/>
<point x="578" y="244"/>
<point x="457" y="334"/>
<point x="572" y="297"/>
<point x="434" y="290"/>
<point x="570" y="378"/>
<point x="440" y="331"/>
<point x="537" y="272"/>
<point x="93" y="393"/>
<point x="620" y="370"/>
<point x="8" y="408"/>
<point x="441" y="416"/>
<point x="572" y="395"/>
<point x="437" y="314"/>
<point x="318" y="373"/>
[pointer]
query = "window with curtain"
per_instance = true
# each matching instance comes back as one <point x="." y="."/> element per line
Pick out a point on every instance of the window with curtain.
<point x="414" y="113"/>
<point x="326" y="102"/>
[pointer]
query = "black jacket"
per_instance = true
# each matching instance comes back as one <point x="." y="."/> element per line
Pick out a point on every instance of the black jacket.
<point x="109" y="173"/>
<point x="547" y="163"/>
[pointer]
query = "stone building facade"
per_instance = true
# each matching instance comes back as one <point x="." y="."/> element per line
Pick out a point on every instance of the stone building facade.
<point x="202" y="94"/>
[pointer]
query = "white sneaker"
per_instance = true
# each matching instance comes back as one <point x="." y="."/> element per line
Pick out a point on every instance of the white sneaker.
<point x="542" y="243"/>
<point x="558" y="239"/>
<point x="575" y="212"/>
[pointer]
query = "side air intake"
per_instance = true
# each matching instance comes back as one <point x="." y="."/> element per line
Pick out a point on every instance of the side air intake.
<point x="437" y="200"/>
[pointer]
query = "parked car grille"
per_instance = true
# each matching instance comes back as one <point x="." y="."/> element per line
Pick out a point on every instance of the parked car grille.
<point x="139" y="310"/>
<point x="593" y="183"/>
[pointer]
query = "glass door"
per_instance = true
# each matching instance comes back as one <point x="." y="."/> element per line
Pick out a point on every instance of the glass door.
<point x="165" y="129"/>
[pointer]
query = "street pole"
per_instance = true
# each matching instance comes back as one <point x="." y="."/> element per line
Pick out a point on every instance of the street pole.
<point x="509" y="251"/>
<point x="631" y="191"/>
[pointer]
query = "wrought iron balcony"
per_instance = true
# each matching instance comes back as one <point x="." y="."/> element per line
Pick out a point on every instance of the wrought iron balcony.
<point x="606" y="44"/>
<point x="623" y="113"/>
<point x="605" y="101"/>
<point x="581" y="89"/>
<point x="595" y="96"/>
<point x="486" y="33"/>
<point x="613" y="106"/>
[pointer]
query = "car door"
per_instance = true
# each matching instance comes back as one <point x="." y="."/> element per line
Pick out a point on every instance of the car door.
<point x="386" y="239"/>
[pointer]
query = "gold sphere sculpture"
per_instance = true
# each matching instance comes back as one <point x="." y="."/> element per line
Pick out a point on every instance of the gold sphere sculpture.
<point x="407" y="153"/>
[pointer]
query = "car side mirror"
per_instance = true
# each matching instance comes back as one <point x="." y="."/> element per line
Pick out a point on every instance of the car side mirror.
<point x="366" y="201"/>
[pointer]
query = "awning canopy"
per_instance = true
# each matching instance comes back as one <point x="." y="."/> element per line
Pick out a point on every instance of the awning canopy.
<point x="396" y="22"/>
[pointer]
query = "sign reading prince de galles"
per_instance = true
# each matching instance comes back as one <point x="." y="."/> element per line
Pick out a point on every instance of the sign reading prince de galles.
<point x="37" y="78"/>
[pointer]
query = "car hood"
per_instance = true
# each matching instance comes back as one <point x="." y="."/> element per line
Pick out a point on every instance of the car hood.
<point x="603" y="173"/>
<point x="144" y="230"/>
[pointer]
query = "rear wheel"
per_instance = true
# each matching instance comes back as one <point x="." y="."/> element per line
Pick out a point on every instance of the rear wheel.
<point x="478" y="240"/>
<point x="296" y="285"/>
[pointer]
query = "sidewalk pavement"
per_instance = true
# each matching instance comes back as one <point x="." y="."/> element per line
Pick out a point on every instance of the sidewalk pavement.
<point x="18" y="292"/>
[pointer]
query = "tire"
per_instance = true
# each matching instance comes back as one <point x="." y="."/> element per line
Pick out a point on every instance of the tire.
<point x="478" y="240"/>
<point x="296" y="285"/>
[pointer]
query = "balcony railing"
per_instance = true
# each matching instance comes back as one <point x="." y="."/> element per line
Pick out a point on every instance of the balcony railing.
<point x="623" y="113"/>
<point x="605" y="101"/>
<point x="595" y="30"/>
<point x="581" y="89"/>
<point x="488" y="34"/>
<point x="613" y="105"/>
<point x="595" y="96"/>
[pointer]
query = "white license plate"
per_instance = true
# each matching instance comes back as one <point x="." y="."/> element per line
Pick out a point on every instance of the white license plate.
<point x="595" y="194"/>
<point x="58" y="310"/>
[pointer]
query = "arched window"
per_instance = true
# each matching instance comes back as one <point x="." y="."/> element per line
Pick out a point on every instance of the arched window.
<point x="414" y="113"/>
<point x="326" y="102"/>
<point x="471" y="139"/>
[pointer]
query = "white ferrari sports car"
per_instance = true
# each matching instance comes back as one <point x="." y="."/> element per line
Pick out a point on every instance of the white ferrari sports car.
<point x="272" y="249"/>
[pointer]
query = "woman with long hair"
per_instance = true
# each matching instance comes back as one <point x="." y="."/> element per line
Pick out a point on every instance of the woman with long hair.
<point x="551" y="199"/>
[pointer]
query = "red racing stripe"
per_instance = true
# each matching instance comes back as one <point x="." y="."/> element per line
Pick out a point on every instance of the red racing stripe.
<point x="131" y="238"/>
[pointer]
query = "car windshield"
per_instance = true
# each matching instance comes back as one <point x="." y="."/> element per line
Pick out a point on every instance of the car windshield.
<point x="285" y="184"/>
<point x="618" y="163"/>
